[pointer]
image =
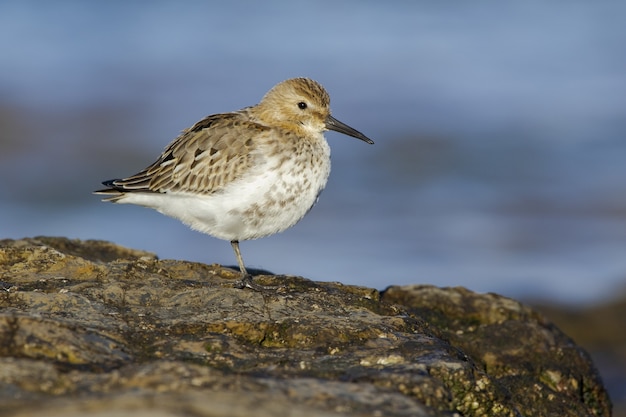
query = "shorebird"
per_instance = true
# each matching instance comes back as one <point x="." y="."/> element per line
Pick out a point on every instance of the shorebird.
<point x="246" y="174"/>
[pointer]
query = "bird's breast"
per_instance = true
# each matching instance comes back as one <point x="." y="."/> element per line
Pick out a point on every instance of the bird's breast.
<point x="286" y="189"/>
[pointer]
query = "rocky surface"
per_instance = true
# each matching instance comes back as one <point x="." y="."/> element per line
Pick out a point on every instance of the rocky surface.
<point x="600" y="328"/>
<point x="90" y="328"/>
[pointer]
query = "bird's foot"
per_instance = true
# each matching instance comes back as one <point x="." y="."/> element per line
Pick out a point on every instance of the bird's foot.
<point x="247" y="282"/>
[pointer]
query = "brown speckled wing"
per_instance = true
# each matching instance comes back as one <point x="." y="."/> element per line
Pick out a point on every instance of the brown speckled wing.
<point x="203" y="159"/>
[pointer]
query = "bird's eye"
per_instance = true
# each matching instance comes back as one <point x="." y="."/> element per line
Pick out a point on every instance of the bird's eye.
<point x="302" y="105"/>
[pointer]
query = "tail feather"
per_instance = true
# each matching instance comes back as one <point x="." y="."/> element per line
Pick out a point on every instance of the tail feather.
<point x="118" y="188"/>
<point x="115" y="192"/>
<point x="110" y="183"/>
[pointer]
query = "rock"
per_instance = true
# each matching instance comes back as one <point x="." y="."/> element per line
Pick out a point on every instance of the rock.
<point x="90" y="328"/>
<point x="600" y="328"/>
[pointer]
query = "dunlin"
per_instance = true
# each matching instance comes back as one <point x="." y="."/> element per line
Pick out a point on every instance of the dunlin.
<point x="246" y="174"/>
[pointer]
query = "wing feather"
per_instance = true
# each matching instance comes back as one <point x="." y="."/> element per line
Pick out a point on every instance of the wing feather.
<point x="203" y="159"/>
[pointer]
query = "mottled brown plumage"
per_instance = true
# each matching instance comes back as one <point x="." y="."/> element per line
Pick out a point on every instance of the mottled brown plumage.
<point x="245" y="174"/>
<point x="203" y="159"/>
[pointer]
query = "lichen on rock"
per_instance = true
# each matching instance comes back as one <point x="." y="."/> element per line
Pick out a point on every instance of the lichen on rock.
<point x="87" y="326"/>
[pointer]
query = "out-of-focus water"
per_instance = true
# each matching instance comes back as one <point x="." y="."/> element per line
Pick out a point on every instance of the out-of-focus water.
<point x="499" y="128"/>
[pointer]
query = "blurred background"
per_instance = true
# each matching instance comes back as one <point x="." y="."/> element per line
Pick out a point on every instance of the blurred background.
<point x="500" y="129"/>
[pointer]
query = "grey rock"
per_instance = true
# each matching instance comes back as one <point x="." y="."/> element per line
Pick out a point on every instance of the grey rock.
<point x="91" y="328"/>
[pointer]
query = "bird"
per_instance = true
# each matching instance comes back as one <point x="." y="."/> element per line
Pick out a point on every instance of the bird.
<point x="245" y="174"/>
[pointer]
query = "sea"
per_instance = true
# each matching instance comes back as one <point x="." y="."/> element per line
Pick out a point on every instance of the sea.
<point x="500" y="129"/>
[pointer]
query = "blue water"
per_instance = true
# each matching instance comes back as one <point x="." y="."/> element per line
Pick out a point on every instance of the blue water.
<point x="500" y="132"/>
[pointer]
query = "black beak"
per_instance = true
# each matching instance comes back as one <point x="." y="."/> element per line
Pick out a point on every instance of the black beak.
<point x="337" y="126"/>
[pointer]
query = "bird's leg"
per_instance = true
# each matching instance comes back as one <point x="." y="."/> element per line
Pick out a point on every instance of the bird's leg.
<point x="246" y="278"/>
<point x="242" y="267"/>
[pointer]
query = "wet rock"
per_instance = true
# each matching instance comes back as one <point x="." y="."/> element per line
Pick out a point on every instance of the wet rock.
<point x="90" y="328"/>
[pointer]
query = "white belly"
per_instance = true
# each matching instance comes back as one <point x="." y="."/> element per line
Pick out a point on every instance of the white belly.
<point x="268" y="200"/>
